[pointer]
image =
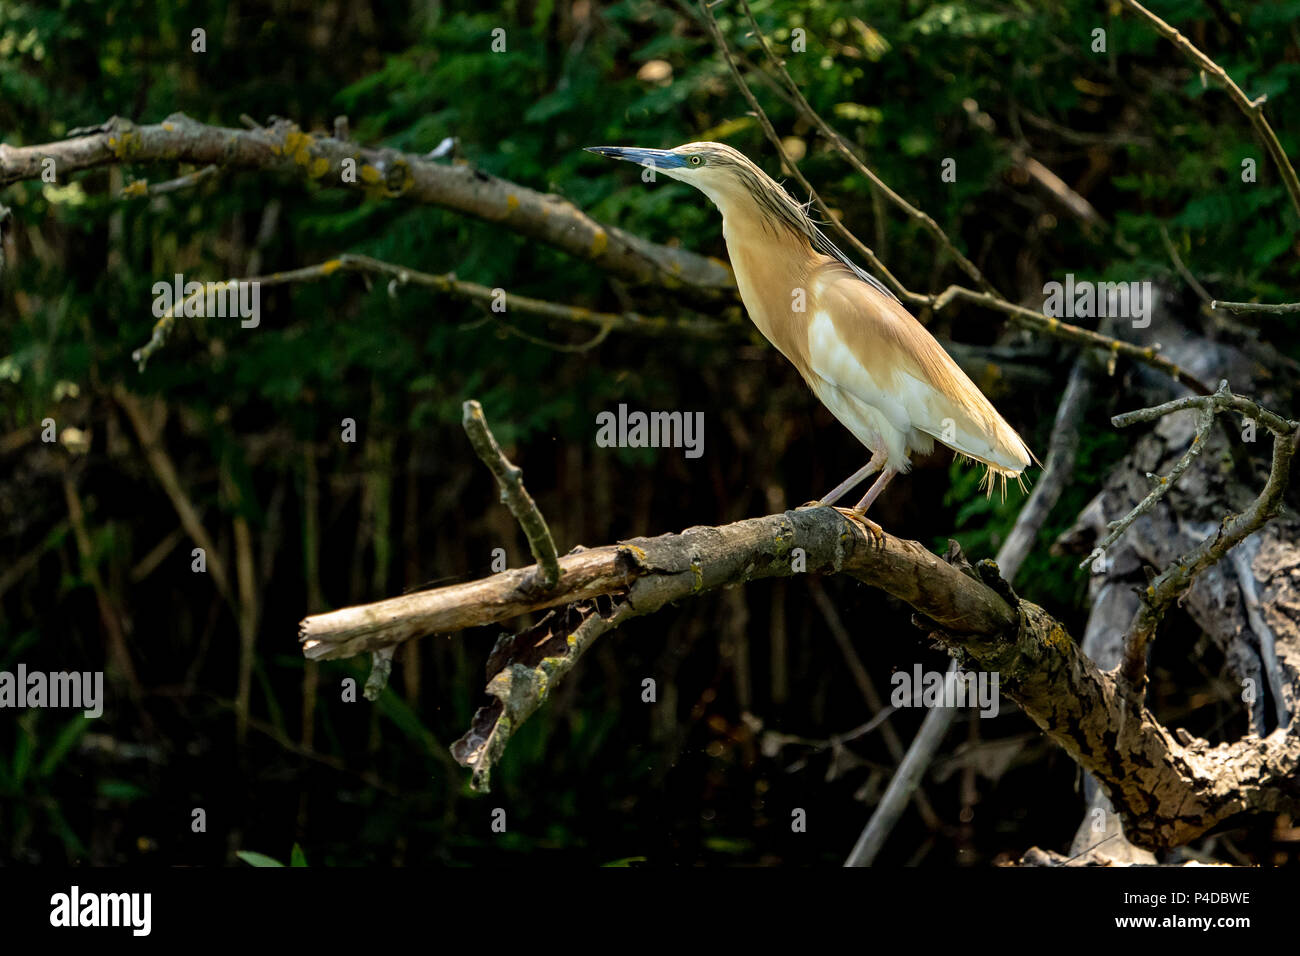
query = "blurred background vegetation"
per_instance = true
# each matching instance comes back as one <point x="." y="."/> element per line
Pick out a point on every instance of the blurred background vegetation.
<point x="92" y="557"/>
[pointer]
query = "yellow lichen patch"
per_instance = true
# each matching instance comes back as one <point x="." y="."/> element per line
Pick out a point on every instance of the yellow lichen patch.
<point x="296" y="143"/>
<point x="139" y="187"/>
<point x="599" y="243"/>
<point x="318" y="168"/>
<point x="371" y="175"/>
<point x="169" y="127"/>
<point x="1059" y="640"/>
<point x="697" y="573"/>
<point x="331" y="267"/>
<point x="640" y="554"/>
<point x="126" y="144"/>
<point x="512" y="202"/>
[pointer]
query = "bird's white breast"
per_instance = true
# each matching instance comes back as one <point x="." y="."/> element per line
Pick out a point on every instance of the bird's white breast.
<point x="863" y="405"/>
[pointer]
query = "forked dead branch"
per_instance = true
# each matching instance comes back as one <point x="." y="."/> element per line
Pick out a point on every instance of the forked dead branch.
<point x="1170" y="787"/>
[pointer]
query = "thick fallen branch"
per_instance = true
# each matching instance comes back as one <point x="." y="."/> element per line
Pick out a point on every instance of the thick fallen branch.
<point x="650" y="572"/>
<point x="1169" y="791"/>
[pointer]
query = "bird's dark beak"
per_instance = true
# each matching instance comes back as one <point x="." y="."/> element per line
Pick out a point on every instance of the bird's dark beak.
<point x="653" y="158"/>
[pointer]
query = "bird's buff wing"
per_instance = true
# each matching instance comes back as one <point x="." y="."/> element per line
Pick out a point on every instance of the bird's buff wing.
<point x="871" y="347"/>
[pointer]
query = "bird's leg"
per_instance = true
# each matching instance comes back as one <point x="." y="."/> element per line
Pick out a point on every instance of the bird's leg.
<point x="874" y="491"/>
<point x="866" y="471"/>
<point x="859" y="512"/>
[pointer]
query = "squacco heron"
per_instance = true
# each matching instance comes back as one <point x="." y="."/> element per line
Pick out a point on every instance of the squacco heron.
<point x="864" y="356"/>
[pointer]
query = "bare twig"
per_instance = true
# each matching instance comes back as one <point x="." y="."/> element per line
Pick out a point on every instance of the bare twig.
<point x="447" y="283"/>
<point x="1169" y="585"/>
<point x="119" y="652"/>
<point x="1253" y="109"/>
<point x="1147" y="355"/>
<point x="1222" y="400"/>
<point x="517" y="499"/>
<point x="1183" y="271"/>
<point x="1277" y="308"/>
<point x="1160" y="485"/>
<point x="142" y="187"/>
<point x="149" y="435"/>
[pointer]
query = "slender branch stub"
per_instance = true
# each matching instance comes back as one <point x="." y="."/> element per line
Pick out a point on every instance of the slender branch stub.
<point x="511" y="479"/>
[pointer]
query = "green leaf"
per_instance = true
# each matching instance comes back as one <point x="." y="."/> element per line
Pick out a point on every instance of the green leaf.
<point x="22" y="754"/>
<point x="121" y="790"/>
<point x="68" y="736"/>
<point x="257" y="859"/>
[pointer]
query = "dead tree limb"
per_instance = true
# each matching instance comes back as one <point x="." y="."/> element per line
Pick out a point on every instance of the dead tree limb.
<point x="382" y="173"/>
<point x="1169" y="789"/>
<point x="1232" y="530"/>
<point x="650" y="572"/>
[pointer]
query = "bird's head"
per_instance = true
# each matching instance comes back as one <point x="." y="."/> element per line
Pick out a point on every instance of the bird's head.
<point x="718" y="171"/>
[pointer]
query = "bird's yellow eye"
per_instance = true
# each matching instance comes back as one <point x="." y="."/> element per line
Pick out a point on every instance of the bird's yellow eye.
<point x="697" y="161"/>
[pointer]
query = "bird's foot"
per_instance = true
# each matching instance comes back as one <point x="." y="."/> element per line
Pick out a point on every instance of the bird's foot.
<point x="810" y="504"/>
<point x="859" y="518"/>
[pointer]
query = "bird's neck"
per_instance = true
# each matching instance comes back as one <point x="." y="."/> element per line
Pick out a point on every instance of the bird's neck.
<point x="773" y="267"/>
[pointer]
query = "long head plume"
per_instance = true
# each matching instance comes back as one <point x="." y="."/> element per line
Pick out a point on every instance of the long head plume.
<point x="728" y="178"/>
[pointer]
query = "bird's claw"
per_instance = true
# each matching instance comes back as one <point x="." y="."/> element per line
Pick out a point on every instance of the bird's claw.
<point x="877" y="533"/>
<point x="809" y="504"/>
